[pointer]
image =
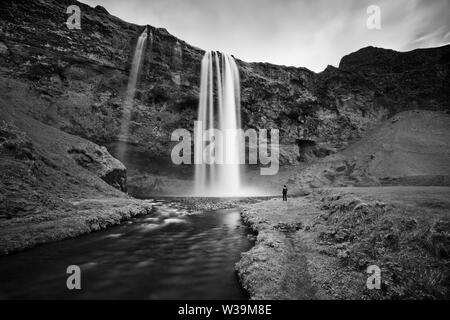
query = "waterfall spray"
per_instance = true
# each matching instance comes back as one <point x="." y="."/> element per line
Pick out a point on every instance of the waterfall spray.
<point x="131" y="90"/>
<point x="212" y="178"/>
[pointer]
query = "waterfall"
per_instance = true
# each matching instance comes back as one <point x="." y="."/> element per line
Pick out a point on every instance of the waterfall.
<point x="219" y="108"/>
<point x="131" y="90"/>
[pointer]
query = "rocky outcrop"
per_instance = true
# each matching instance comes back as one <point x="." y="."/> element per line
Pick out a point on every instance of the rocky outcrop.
<point x="75" y="80"/>
<point x="98" y="160"/>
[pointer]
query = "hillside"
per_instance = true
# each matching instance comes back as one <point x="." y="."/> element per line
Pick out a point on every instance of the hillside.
<point x="411" y="148"/>
<point x="54" y="185"/>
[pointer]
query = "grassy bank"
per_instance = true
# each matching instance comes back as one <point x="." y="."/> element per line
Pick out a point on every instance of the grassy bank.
<point x="319" y="246"/>
<point x="80" y="217"/>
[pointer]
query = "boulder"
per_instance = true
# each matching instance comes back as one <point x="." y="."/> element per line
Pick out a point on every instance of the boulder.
<point x="99" y="161"/>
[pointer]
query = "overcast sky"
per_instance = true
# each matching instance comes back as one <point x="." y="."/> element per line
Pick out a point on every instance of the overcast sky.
<point x="302" y="33"/>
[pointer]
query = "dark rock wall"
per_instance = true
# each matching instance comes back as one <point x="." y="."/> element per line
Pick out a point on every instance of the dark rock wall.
<point x="76" y="80"/>
<point x="409" y="80"/>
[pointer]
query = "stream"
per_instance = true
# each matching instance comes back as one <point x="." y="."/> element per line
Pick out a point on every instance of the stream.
<point x="168" y="254"/>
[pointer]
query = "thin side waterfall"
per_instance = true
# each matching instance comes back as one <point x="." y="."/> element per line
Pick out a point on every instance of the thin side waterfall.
<point x="217" y="171"/>
<point x="131" y="90"/>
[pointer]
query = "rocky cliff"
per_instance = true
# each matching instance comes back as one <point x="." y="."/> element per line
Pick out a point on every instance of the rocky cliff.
<point x="75" y="80"/>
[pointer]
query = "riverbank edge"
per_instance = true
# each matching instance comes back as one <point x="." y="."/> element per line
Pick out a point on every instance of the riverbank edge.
<point x="83" y="217"/>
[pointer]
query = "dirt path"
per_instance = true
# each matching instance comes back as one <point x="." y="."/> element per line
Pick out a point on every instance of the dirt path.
<point x="297" y="282"/>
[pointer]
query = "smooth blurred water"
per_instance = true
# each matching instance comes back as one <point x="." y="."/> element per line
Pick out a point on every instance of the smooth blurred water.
<point x="135" y="69"/>
<point x="164" y="255"/>
<point x="220" y="176"/>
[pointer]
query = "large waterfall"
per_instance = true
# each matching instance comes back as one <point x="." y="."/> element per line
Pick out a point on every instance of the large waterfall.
<point x="131" y="90"/>
<point x="217" y="171"/>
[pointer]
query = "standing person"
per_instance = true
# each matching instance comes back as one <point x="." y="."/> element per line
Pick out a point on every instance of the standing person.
<point x="284" y="193"/>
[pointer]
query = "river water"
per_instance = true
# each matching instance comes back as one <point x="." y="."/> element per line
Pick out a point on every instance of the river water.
<point x="168" y="254"/>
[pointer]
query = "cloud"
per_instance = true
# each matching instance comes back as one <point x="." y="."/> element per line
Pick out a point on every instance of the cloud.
<point x="301" y="33"/>
<point x="431" y="24"/>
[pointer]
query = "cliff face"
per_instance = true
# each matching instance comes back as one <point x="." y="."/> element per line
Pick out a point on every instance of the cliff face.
<point x="75" y="80"/>
<point x="417" y="79"/>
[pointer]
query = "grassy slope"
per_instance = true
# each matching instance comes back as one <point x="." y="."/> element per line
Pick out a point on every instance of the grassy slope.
<point x="411" y="148"/>
<point x="411" y="143"/>
<point x="45" y="195"/>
